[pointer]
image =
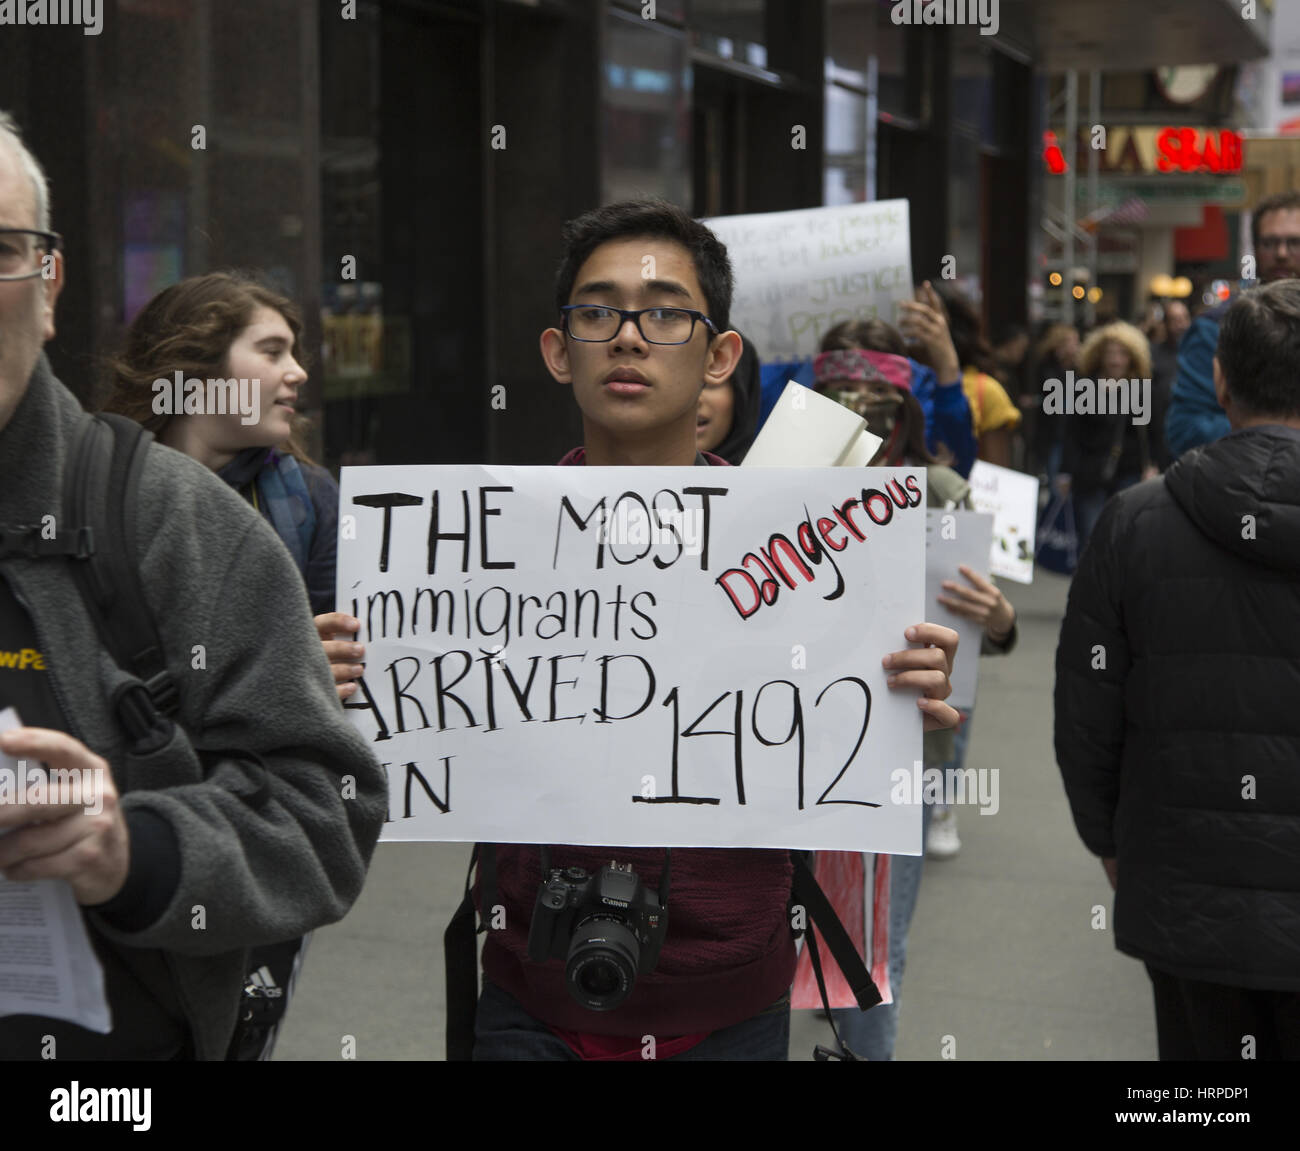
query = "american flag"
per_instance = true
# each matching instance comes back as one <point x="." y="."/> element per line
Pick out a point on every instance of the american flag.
<point x="1131" y="211"/>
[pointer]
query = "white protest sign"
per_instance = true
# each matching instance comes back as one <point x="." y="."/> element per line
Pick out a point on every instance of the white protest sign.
<point x="953" y="538"/>
<point x="678" y="657"/>
<point x="806" y="429"/>
<point x="1012" y="499"/>
<point x="800" y="273"/>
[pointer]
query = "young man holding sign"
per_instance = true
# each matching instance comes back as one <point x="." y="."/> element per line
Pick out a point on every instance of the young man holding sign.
<point x="644" y="295"/>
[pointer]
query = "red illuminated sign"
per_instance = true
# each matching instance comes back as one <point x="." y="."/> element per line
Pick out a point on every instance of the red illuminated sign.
<point x="1187" y="150"/>
<point x="1141" y="150"/>
<point x="1053" y="155"/>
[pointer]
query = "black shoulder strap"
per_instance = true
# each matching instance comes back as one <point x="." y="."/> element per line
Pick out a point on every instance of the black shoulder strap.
<point x="841" y="1050"/>
<point x="808" y="892"/>
<point x="460" y="953"/>
<point x="109" y="458"/>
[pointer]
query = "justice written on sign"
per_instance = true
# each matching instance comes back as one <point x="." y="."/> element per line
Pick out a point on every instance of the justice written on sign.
<point x="643" y="656"/>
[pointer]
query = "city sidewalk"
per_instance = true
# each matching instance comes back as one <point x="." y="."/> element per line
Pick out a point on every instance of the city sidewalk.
<point x="1003" y="956"/>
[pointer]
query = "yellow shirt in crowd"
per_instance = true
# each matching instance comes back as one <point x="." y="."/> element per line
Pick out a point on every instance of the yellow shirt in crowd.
<point x="990" y="406"/>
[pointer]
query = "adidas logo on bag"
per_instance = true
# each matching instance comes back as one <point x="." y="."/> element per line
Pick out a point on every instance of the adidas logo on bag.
<point x="262" y="985"/>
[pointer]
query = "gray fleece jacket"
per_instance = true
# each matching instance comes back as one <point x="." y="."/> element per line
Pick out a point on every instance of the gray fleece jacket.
<point x="266" y="855"/>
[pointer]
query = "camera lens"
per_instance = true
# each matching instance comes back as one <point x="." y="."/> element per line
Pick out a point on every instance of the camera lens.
<point x="602" y="963"/>
<point x="599" y="979"/>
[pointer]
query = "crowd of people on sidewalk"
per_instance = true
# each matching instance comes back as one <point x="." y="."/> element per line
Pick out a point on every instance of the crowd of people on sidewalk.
<point x="200" y="676"/>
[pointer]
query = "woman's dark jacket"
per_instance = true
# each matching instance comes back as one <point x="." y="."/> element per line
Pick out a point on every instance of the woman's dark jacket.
<point x="320" y="562"/>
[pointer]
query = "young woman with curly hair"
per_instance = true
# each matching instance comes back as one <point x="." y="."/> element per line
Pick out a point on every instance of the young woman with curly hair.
<point x="1106" y="451"/>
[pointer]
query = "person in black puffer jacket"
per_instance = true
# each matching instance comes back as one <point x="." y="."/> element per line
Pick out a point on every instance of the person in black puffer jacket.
<point x="1177" y="730"/>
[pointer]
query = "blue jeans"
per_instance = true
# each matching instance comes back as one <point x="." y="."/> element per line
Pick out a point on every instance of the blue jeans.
<point x="872" y="1034"/>
<point x="504" y="1030"/>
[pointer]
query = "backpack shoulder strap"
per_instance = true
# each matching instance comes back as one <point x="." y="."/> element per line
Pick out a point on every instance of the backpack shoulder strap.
<point x="109" y="458"/>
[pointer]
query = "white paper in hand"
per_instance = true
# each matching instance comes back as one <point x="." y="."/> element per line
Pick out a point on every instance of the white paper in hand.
<point x="806" y="430"/>
<point x="47" y="965"/>
<point x="953" y="538"/>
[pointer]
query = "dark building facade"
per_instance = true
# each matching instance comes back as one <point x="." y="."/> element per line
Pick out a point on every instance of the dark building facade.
<point x="402" y="169"/>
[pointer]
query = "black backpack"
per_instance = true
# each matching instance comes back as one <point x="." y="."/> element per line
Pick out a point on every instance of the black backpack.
<point x="108" y="458"/>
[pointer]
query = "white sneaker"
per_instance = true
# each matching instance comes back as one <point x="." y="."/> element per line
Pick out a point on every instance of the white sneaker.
<point x="943" y="842"/>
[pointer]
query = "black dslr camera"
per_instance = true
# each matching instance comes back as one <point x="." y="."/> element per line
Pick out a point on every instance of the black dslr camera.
<point x="607" y="927"/>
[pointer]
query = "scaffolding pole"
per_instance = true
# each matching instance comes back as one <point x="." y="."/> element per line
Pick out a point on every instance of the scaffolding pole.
<point x="1071" y="158"/>
<point x="1094" y="163"/>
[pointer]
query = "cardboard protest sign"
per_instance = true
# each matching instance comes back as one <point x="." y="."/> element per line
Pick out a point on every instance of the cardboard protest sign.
<point x="1012" y="499"/>
<point x="800" y="273"/>
<point x="808" y="430"/>
<point x="953" y="538"/>
<point x="678" y="657"/>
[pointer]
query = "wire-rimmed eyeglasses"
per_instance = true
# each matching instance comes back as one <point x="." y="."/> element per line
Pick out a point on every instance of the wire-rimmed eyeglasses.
<point x="19" y="248"/>
<point x="1277" y="243"/>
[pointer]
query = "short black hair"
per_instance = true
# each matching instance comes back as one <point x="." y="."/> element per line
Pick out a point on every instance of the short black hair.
<point x="1259" y="349"/>
<point x="1282" y="202"/>
<point x="653" y="219"/>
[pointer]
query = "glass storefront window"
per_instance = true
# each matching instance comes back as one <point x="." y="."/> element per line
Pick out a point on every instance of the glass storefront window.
<point x="851" y="36"/>
<point x="365" y="353"/>
<point x="964" y="213"/>
<point x="645" y="112"/>
<point x="671" y="10"/>
<point x="209" y="173"/>
<point x="731" y="29"/>
<point x="846" y="146"/>
<point x="740" y="21"/>
<point x="972" y="87"/>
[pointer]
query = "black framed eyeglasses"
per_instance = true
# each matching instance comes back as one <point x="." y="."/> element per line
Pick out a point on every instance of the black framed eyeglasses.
<point x="599" y="323"/>
<point x="19" y="248"/>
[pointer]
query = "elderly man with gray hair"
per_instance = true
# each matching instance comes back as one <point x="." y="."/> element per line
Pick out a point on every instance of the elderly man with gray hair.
<point x="249" y="812"/>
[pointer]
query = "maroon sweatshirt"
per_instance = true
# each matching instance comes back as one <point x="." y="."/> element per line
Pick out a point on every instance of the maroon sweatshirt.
<point x="729" y="952"/>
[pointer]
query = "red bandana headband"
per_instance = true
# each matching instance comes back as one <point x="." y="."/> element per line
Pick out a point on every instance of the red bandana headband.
<point x="860" y="364"/>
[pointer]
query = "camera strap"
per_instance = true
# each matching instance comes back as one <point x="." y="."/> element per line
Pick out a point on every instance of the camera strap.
<point x="460" y="953"/>
<point x="841" y="1050"/>
<point x="460" y="949"/>
<point x="807" y="891"/>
